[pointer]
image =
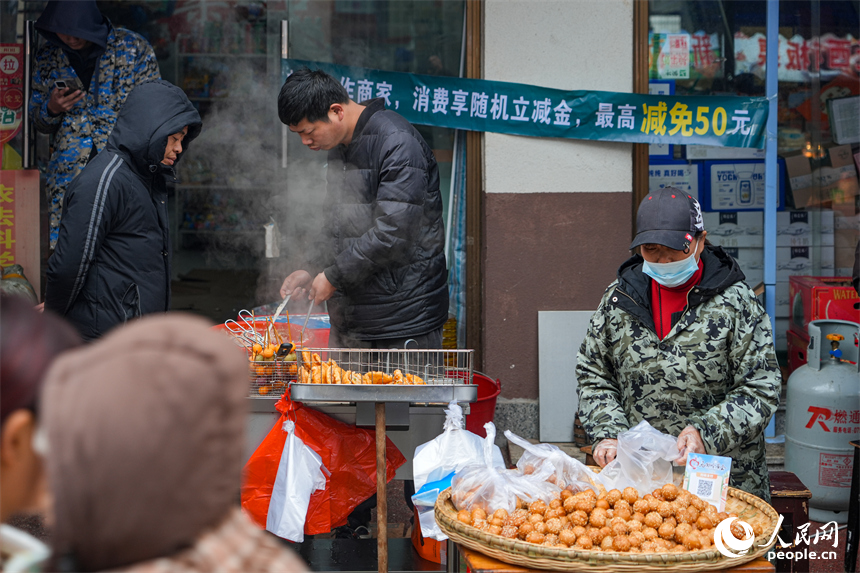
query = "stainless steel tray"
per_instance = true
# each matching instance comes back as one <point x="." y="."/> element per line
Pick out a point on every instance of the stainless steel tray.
<point x="417" y="394"/>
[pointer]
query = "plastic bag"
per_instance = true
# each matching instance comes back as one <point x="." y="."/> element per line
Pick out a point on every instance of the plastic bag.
<point x="300" y="473"/>
<point x="567" y="473"/>
<point x="348" y="452"/>
<point x="450" y="451"/>
<point x="490" y="488"/>
<point x="424" y="501"/>
<point x="644" y="460"/>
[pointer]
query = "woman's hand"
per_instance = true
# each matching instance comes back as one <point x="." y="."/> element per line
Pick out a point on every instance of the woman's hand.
<point x="605" y="452"/>
<point x="61" y="103"/>
<point x="689" y="442"/>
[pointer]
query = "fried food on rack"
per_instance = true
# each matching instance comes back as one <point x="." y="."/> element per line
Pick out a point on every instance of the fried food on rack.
<point x="414" y="379"/>
<point x="315" y="371"/>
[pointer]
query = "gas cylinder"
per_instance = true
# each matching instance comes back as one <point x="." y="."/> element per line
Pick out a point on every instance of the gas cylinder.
<point x="823" y="416"/>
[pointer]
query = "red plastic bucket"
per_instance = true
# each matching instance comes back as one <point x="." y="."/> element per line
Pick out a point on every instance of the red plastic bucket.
<point x="482" y="411"/>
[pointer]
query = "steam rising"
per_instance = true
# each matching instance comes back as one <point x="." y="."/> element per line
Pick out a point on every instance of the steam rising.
<point x="236" y="161"/>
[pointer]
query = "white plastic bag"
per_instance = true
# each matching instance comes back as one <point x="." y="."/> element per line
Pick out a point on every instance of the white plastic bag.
<point x="450" y="451"/>
<point x="567" y="473"/>
<point x="483" y="485"/>
<point x="300" y="473"/>
<point x="644" y="460"/>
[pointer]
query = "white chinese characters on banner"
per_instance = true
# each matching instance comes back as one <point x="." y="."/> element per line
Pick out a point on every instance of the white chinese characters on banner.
<point x="799" y="57"/>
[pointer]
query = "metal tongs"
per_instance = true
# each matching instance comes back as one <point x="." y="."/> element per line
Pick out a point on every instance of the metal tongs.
<point x="302" y="333"/>
<point x="247" y="332"/>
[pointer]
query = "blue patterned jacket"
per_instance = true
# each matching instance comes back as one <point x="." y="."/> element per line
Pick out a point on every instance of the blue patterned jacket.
<point x="127" y="61"/>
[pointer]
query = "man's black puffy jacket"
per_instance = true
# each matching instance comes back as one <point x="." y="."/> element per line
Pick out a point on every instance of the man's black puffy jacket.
<point x="112" y="260"/>
<point x="386" y="239"/>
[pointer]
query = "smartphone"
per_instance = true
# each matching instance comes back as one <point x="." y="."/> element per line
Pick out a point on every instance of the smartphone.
<point x="69" y="85"/>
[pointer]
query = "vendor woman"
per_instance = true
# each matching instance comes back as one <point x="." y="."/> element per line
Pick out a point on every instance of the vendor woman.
<point x="680" y="340"/>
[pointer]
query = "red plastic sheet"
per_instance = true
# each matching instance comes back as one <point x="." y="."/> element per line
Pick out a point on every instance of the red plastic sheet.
<point x="349" y="453"/>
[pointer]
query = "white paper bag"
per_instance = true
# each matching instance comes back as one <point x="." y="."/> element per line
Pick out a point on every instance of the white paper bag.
<point x="300" y="473"/>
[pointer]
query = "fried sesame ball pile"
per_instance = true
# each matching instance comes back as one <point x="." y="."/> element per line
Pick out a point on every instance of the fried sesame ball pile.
<point x="668" y="519"/>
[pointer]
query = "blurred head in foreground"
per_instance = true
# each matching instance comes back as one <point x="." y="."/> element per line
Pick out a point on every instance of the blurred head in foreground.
<point x="145" y="437"/>
<point x="29" y="342"/>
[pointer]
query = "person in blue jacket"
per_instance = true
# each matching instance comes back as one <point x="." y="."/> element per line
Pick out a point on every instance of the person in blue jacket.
<point x="112" y="261"/>
<point x="108" y="61"/>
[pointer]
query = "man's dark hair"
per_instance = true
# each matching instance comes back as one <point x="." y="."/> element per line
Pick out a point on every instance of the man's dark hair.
<point x="308" y="94"/>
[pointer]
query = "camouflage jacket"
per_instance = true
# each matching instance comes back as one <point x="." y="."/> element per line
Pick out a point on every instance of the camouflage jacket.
<point x="716" y="369"/>
<point x="128" y="60"/>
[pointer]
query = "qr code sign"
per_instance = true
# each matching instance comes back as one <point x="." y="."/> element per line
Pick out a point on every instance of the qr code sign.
<point x="705" y="487"/>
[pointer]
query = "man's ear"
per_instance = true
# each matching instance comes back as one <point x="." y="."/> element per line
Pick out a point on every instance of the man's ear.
<point x="16" y="436"/>
<point x="338" y="110"/>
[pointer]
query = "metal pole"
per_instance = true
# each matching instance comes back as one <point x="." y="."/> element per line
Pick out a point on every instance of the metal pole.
<point x="770" y="173"/>
<point x="29" y="31"/>
<point x="285" y="55"/>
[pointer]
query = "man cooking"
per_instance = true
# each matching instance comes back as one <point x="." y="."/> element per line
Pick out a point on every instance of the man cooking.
<point x="680" y="340"/>
<point x="382" y="266"/>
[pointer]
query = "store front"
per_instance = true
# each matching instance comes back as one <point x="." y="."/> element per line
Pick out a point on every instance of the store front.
<point x="545" y="222"/>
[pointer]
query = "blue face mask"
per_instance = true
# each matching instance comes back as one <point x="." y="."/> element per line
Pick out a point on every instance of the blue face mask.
<point x="672" y="274"/>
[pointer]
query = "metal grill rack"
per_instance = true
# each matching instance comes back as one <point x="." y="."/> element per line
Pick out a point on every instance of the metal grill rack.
<point x="437" y="376"/>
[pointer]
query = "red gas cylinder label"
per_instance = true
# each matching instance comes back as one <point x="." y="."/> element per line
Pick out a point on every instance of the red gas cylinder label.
<point x="834" y="470"/>
<point x="834" y="421"/>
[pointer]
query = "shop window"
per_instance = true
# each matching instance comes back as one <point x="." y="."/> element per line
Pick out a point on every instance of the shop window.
<point x="818" y="225"/>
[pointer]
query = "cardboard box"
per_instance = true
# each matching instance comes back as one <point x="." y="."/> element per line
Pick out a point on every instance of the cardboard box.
<point x="798" y="171"/>
<point x="751" y="261"/>
<point x="833" y="184"/>
<point x="804" y="228"/>
<point x="739" y="185"/>
<point x="709" y="152"/>
<point x="679" y="174"/>
<point x="734" y="228"/>
<point x="780" y="334"/>
<point x="843" y="257"/>
<point x="782" y="306"/>
<point x="793" y="261"/>
<point x="821" y="297"/>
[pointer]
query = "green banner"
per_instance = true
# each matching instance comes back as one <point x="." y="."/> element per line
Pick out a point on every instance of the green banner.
<point x="521" y="109"/>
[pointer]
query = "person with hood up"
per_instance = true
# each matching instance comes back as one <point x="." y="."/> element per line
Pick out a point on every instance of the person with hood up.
<point x="109" y="62"/>
<point x="680" y="340"/>
<point x="112" y="261"/>
<point x="144" y="438"/>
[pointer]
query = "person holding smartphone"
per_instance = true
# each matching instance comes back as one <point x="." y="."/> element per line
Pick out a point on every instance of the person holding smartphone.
<point x="81" y="78"/>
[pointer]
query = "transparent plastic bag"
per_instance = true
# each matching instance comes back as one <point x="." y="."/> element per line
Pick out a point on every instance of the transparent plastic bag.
<point x="482" y="485"/>
<point x="567" y="473"/>
<point x="644" y="460"/>
<point x="450" y="451"/>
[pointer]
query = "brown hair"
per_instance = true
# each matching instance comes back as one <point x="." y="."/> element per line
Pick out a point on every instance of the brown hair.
<point x="29" y="342"/>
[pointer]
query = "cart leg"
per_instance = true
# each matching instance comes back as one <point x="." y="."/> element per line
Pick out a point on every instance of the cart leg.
<point x="381" y="491"/>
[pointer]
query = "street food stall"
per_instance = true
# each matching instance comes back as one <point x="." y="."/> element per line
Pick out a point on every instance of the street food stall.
<point x="400" y="393"/>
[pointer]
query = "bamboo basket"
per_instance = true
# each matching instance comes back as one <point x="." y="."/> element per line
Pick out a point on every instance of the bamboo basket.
<point x="748" y="507"/>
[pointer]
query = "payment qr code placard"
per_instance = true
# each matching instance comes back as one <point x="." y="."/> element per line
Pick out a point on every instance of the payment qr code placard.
<point x="708" y="477"/>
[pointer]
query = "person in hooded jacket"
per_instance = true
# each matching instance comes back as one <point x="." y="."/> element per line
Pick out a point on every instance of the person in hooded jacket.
<point x="381" y="265"/>
<point x="109" y="62"/>
<point x="143" y="436"/>
<point x="112" y="261"/>
<point x="680" y="340"/>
